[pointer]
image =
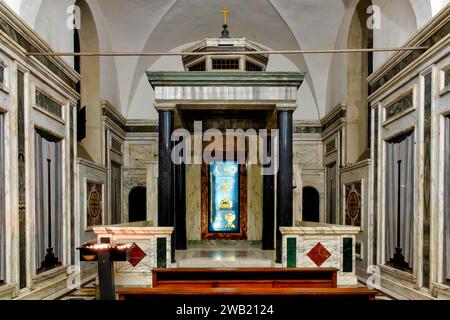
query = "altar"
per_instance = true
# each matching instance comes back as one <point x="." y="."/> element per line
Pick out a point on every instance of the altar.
<point x="153" y="247"/>
<point x="320" y="245"/>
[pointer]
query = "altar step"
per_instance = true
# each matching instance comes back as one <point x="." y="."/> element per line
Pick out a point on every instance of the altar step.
<point x="225" y="254"/>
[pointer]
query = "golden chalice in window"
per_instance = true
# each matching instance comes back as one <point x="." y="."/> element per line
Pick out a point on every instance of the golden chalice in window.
<point x="225" y="204"/>
<point x="230" y="217"/>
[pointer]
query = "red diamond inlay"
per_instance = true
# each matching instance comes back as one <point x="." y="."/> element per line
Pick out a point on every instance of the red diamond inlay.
<point x="136" y="254"/>
<point x="319" y="254"/>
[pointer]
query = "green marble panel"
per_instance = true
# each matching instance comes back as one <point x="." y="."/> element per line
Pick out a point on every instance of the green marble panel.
<point x="427" y="180"/>
<point x="21" y="177"/>
<point x="347" y="260"/>
<point x="161" y="252"/>
<point x="291" y="252"/>
<point x="2" y="74"/>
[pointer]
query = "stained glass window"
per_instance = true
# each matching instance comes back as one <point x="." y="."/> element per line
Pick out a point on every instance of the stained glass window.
<point x="224" y="197"/>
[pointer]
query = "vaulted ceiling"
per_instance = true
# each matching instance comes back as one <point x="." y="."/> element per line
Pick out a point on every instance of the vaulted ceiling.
<point x="165" y="25"/>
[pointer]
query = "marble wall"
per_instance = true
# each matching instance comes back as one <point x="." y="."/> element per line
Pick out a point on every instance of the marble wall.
<point x="359" y="173"/>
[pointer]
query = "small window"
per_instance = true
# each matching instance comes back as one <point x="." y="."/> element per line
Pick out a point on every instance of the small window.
<point x="249" y="66"/>
<point x="226" y="64"/>
<point x="201" y="66"/>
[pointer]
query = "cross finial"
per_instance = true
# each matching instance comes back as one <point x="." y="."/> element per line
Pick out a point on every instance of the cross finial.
<point x="225" y="15"/>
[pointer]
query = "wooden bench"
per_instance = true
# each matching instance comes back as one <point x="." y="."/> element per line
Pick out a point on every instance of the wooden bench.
<point x="244" y="278"/>
<point x="214" y="295"/>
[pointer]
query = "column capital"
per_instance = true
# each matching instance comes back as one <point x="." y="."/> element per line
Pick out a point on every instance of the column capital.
<point x="286" y="106"/>
<point x="165" y="106"/>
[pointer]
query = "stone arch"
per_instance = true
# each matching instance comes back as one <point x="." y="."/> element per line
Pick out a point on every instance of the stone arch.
<point x="89" y="86"/>
<point x="359" y="67"/>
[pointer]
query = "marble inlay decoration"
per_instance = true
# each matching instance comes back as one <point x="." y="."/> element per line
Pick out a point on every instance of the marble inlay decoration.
<point x="18" y="38"/>
<point x="21" y="175"/>
<point x="136" y="254"/>
<point x="141" y="129"/>
<point x="427" y="180"/>
<point x="353" y="204"/>
<point x="375" y="178"/>
<point x="333" y="120"/>
<point x="94" y="203"/>
<point x="291" y="244"/>
<point x="347" y="256"/>
<point x="47" y="103"/>
<point x="400" y="106"/>
<point x="319" y="254"/>
<point x="307" y="129"/>
<point x="330" y="146"/>
<point x="2" y="202"/>
<point x="161" y="252"/>
<point x="2" y="74"/>
<point x="116" y="146"/>
<point x="414" y="55"/>
<point x="447" y="78"/>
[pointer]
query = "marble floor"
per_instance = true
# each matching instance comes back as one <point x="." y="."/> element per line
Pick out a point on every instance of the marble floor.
<point x="220" y="254"/>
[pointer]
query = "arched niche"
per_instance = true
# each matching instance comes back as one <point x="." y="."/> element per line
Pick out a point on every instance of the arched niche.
<point x="137" y="204"/>
<point x="311" y="205"/>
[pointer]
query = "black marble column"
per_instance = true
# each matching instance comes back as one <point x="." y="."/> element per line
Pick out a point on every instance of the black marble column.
<point x="268" y="241"/>
<point x="166" y="194"/>
<point x="284" y="177"/>
<point x="180" y="207"/>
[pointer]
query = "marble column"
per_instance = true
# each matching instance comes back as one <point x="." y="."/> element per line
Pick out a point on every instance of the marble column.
<point x="268" y="207"/>
<point x="166" y="198"/>
<point x="284" y="176"/>
<point x="180" y="207"/>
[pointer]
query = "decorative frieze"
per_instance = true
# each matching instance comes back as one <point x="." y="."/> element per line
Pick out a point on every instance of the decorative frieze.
<point x="400" y="106"/>
<point x="45" y="102"/>
<point x="307" y="129"/>
<point x="216" y="93"/>
<point x="18" y="38"/>
<point x="429" y="42"/>
<point x="330" y="146"/>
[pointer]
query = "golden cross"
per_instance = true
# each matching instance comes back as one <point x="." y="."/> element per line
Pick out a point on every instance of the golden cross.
<point x="225" y="15"/>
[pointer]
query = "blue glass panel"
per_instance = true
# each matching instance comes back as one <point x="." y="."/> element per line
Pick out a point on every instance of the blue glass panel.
<point x="224" y="197"/>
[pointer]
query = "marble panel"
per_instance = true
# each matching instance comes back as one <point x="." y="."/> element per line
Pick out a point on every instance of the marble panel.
<point x="193" y="202"/>
<point x="226" y="93"/>
<point x="254" y="198"/>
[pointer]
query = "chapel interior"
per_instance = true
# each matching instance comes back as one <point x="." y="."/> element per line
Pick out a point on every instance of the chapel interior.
<point x="107" y="149"/>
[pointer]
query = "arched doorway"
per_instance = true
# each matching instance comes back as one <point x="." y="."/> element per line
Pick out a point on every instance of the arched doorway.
<point x="137" y="204"/>
<point x="311" y="205"/>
